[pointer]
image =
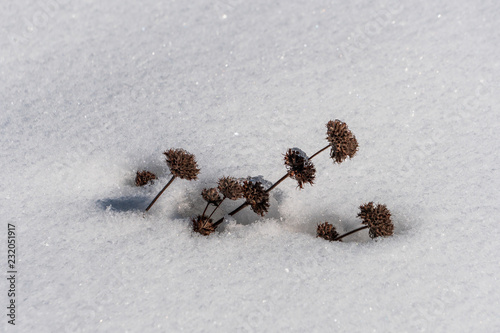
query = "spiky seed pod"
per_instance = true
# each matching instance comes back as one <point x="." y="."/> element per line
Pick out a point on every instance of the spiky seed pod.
<point x="203" y="225"/>
<point x="256" y="196"/>
<point x="344" y="143"/>
<point x="261" y="208"/>
<point x="299" y="167"/>
<point x="327" y="231"/>
<point x="144" y="177"/>
<point x="230" y="188"/>
<point x="182" y="164"/>
<point x="378" y="219"/>
<point x="211" y="195"/>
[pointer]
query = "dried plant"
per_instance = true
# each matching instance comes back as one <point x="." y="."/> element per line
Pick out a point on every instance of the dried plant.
<point x="144" y="177"/>
<point x="181" y="164"/>
<point x="211" y="196"/>
<point x="230" y="188"/>
<point x="299" y="167"/>
<point x="326" y="231"/>
<point x="378" y="219"/>
<point x="256" y="196"/>
<point x="203" y="225"/>
<point x="343" y="142"/>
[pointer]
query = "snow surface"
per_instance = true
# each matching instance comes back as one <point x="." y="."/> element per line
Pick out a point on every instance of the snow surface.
<point x="92" y="91"/>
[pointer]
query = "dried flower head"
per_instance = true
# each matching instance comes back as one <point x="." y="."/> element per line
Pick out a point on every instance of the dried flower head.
<point x="182" y="164"/>
<point x="203" y="225"/>
<point x="299" y="167"/>
<point x="377" y="218"/>
<point x="256" y="196"/>
<point x="230" y="188"/>
<point x="144" y="177"/>
<point x="211" y="195"/>
<point x="344" y="143"/>
<point x="327" y="231"/>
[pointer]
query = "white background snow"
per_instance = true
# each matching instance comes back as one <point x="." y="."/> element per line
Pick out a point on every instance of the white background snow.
<point x="92" y="91"/>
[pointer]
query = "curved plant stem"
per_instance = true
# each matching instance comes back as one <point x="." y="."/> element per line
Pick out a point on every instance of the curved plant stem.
<point x="161" y="192"/>
<point x="205" y="210"/>
<point x="277" y="183"/>
<point x="288" y="174"/>
<point x="245" y="204"/>
<point x="219" y="221"/>
<point x="350" y="233"/>
<point x="216" y="207"/>
<point x="319" y="151"/>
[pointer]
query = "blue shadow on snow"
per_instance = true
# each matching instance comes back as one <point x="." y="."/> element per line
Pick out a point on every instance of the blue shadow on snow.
<point x="124" y="204"/>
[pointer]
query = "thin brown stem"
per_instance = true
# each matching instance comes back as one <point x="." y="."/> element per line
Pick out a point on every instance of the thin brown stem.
<point x="277" y="183"/>
<point x="286" y="176"/>
<point x="245" y="204"/>
<point x="206" y="207"/>
<point x="319" y="151"/>
<point x="216" y="207"/>
<point x="350" y="233"/>
<point x="161" y="192"/>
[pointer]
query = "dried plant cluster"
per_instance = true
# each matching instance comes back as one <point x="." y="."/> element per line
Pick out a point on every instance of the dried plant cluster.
<point x="182" y="164"/>
<point x="342" y="144"/>
<point x="327" y="231"/>
<point x="211" y="196"/>
<point x="299" y="167"/>
<point x="376" y="218"/>
<point x="144" y="177"/>
<point x="203" y="225"/>
<point x="256" y="197"/>
<point x="230" y="188"/>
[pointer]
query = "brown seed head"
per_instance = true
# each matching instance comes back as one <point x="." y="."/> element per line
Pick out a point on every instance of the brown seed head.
<point x="256" y="196"/>
<point x="230" y="188"/>
<point x="211" y="195"/>
<point x="182" y="164"/>
<point x="344" y="143"/>
<point x="327" y="231"/>
<point x="299" y="167"/>
<point x="144" y="177"/>
<point x="377" y="218"/>
<point x="203" y="225"/>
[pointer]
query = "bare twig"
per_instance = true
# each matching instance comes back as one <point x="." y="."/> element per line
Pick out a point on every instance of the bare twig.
<point x="161" y="192"/>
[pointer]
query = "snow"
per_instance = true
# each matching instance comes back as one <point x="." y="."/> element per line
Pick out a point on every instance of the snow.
<point x="92" y="91"/>
<point x="301" y="153"/>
